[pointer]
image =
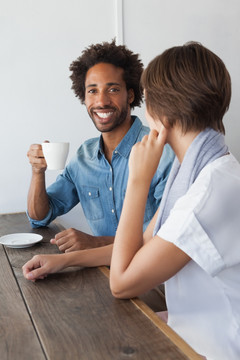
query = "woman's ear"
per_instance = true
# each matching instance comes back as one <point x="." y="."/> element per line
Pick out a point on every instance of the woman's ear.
<point x="131" y="96"/>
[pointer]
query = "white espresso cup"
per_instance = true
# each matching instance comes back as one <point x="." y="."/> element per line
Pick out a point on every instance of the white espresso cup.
<point x="55" y="154"/>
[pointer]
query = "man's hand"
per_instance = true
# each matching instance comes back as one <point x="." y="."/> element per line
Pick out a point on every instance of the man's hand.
<point x="42" y="265"/>
<point x="72" y="240"/>
<point x="38" y="204"/>
<point x="36" y="158"/>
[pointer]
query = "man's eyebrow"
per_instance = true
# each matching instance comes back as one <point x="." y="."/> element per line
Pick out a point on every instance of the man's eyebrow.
<point x="113" y="83"/>
<point x="91" y="85"/>
<point x="108" y="84"/>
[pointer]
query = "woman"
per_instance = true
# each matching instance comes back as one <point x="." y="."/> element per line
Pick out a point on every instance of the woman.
<point x="194" y="243"/>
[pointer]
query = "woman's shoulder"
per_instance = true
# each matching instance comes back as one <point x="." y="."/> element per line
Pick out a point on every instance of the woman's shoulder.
<point x="222" y="173"/>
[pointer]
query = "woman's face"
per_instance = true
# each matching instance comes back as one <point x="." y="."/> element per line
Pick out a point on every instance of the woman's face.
<point x="150" y="120"/>
<point x="153" y="124"/>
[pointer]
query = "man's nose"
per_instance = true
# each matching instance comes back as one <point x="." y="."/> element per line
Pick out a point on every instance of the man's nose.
<point x="103" y="98"/>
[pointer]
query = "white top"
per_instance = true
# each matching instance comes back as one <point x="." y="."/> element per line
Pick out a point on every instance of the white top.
<point x="203" y="298"/>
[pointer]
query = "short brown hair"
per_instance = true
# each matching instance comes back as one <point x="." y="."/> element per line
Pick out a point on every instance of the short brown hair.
<point x="190" y="85"/>
<point x="110" y="53"/>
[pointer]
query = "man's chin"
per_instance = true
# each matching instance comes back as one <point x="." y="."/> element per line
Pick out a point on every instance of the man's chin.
<point x="104" y="128"/>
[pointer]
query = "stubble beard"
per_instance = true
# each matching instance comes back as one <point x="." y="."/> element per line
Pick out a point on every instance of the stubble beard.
<point x="119" y="119"/>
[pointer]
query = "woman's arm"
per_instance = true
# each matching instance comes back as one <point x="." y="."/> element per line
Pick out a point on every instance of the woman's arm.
<point x="139" y="263"/>
<point x="151" y="265"/>
<point x="149" y="230"/>
<point x="42" y="265"/>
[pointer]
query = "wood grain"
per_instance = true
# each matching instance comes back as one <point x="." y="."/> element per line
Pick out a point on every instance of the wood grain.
<point x="74" y="313"/>
<point x="18" y="338"/>
<point x="171" y="334"/>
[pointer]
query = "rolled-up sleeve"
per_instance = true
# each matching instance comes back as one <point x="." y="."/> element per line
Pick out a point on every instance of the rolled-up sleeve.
<point x="40" y="223"/>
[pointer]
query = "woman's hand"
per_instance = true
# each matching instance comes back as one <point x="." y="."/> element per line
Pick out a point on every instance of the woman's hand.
<point x="145" y="155"/>
<point x="42" y="265"/>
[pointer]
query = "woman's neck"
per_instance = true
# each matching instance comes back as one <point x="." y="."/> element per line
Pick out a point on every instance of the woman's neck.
<point x="180" y="142"/>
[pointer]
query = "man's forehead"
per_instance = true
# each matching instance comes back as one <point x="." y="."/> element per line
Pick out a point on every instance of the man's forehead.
<point x="107" y="84"/>
<point x="104" y="73"/>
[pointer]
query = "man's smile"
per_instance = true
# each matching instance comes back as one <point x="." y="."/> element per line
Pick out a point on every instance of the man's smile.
<point x="104" y="115"/>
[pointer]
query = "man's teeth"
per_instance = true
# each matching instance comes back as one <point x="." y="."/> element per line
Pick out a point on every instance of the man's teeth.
<point x="104" y="115"/>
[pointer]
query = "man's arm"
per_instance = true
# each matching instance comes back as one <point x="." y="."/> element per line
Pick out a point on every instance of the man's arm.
<point x="38" y="204"/>
<point x="73" y="240"/>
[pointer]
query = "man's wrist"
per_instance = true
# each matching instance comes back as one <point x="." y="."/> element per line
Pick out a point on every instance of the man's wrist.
<point x="99" y="241"/>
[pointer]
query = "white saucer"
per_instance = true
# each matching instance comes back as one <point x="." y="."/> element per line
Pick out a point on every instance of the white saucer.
<point x="20" y="240"/>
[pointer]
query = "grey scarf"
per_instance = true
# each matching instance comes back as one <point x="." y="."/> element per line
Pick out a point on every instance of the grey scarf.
<point x="208" y="146"/>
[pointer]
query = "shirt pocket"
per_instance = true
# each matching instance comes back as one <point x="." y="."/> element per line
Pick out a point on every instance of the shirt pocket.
<point x="91" y="202"/>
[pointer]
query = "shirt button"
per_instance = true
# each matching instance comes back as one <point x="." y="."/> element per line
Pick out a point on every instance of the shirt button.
<point x="116" y="151"/>
<point x="110" y="189"/>
<point x="89" y="194"/>
<point x="113" y="211"/>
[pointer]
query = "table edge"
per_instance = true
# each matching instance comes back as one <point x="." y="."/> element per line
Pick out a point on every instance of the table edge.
<point x="169" y="332"/>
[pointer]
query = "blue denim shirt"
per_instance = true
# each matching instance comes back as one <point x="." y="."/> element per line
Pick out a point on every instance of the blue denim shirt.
<point x="100" y="187"/>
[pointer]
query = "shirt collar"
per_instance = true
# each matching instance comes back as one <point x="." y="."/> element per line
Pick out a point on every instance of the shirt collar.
<point x="125" y="146"/>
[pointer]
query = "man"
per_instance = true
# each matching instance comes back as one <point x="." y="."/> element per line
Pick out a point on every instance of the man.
<point x="106" y="79"/>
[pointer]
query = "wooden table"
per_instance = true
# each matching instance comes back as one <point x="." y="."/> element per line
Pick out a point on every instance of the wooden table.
<point x="72" y="314"/>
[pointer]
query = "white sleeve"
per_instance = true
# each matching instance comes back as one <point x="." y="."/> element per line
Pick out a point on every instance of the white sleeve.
<point x="188" y="235"/>
<point x="184" y="230"/>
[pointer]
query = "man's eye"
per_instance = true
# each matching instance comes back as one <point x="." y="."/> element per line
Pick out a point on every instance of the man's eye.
<point x="92" y="91"/>
<point x="113" y="90"/>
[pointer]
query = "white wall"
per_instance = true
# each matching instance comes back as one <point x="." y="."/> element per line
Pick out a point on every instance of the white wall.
<point x="39" y="40"/>
<point x="151" y="26"/>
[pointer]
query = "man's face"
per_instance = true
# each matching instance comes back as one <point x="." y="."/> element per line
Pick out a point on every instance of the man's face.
<point x="106" y="97"/>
